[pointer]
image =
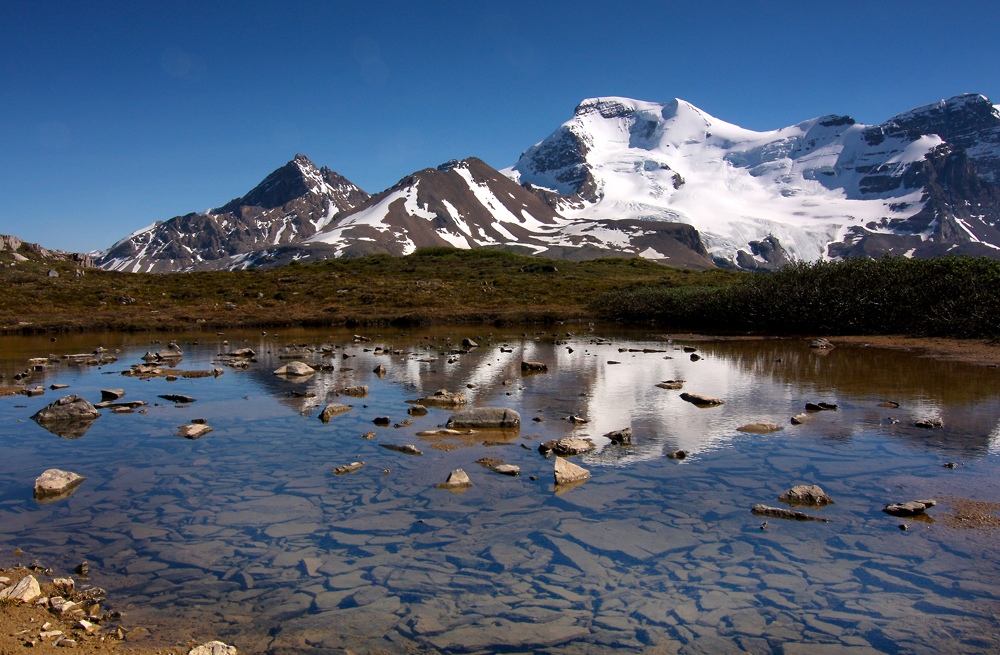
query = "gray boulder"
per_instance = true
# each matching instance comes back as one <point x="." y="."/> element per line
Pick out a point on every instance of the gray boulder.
<point x="566" y="447"/>
<point x="806" y="495"/>
<point x="912" y="508"/>
<point x="172" y="351"/>
<point x="457" y="479"/>
<point x="67" y="408"/>
<point x="56" y="484"/>
<point x="623" y="436"/>
<point x="484" y="417"/>
<point x="295" y="369"/>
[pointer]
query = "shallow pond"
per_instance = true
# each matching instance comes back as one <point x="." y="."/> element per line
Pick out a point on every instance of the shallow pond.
<point x="246" y="535"/>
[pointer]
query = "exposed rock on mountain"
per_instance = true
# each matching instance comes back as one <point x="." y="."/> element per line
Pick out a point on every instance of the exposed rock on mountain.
<point x="23" y="251"/>
<point x="290" y="205"/>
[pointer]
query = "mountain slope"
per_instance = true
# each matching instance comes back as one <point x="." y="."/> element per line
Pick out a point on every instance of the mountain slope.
<point x="817" y="189"/>
<point x="289" y="205"/>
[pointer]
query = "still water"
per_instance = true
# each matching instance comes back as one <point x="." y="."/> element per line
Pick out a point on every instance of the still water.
<point x="245" y="535"/>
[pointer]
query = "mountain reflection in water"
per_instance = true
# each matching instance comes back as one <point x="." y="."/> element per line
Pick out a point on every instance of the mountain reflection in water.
<point x="245" y="535"/>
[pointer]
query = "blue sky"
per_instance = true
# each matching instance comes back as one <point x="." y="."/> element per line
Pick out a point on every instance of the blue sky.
<point x="117" y="114"/>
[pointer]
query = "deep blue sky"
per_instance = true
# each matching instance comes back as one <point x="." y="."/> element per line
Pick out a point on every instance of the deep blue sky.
<point x="117" y="114"/>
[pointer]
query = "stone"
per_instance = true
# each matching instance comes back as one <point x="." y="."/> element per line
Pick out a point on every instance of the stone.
<point x="416" y="410"/>
<point x="193" y="430"/>
<point x="87" y="626"/>
<point x="700" y="400"/>
<point x="332" y="410"/>
<point x="695" y="357"/>
<point x="295" y="369"/>
<point x="911" y="508"/>
<point x="484" y="417"/>
<point x="360" y="391"/>
<point x="381" y="420"/>
<point x="469" y="343"/>
<point x="576" y="420"/>
<point x="444" y="398"/>
<point x="567" y="472"/>
<point x="213" y="648"/>
<point x="172" y="351"/>
<point x="779" y="513"/>
<point x="891" y="404"/>
<point x="457" y="479"/>
<point x="26" y="590"/>
<point x="821" y="407"/>
<point x="821" y="343"/>
<point x="760" y="427"/>
<point x="178" y="398"/>
<point x="64" y="585"/>
<point x="61" y="605"/>
<point x="379" y="371"/>
<point x="671" y="384"/>
<point x="67" y="408"/>
<point x="348" y="468"/>
<point x="58" y="387"/>
<point x="623" y="436"/>
<point x="66" y="643"/>
<point x="677" y="454"/>
<point x="408" y="449"/>
<point x="507" y="469"/>
<point x="802" y="419"/>
<point x="929" y="423"/>
<point x="566" y="447"/>
<point x="128" y="404"/>
<point x="805" y="495"/>
<point x="243" y="352"/>
<point x="112" y="394"/>
<point x="56" y="484"/>
<point x="534" y="367"/>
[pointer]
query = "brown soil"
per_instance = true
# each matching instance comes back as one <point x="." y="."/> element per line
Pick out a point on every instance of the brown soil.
<point x="21" y="623"/>
<point x="974" y="351"/>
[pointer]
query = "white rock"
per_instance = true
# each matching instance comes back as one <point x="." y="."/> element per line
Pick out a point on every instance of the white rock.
<point x="25" y="591"/>
<point x="567" y="472"/>
<point x="456" y="479"/>
<point x="54" y="482"/>
<point x="213" y="648"/>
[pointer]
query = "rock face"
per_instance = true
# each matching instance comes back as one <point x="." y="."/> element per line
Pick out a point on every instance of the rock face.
<point x="911" y="508"/>
<point x="24" y="591"/>
<point x="295" y="369"/>
<point x="566" y="447"/>
<point x="567" y="472"/>
<point x="56" y="484"/>
<point x="806" y="495"/>
<point x="779" y="513"/>
<point x="701" y="401"/>
<point x="760" y="427"/>
<point x="457" y="479"/>
<point x="484" y="417"/>
<point x="331" y="410"/>
<point x="444" y="398"/>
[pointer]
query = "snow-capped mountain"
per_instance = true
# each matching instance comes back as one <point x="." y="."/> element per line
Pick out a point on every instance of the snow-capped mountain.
<point x="665" y="181"/>
<point x="827" y="187"/>
<point x="289" y="205"/>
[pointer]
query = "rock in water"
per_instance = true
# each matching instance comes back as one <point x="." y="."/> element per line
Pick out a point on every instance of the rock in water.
<point x="821" y="343"/>
<point x="178" y="398"/>
<point x="408" y="449"/>
<point x="929" y="423"/>
<point x="295" y="369"/>
<point x="760" y="427"/>
<point x="379" y="370"/>
<point x="484" y="417"/>
<point x="331" y="410"/>
<point x="416" y="410"/>
<point x="623" y="436"/>
<point x="567" y="472"/>
<point x="56" y="484"/>
<point x="193" y="430"/>
<point x="911" y="508"/>
<point x="802" y="419"/>
<point x="469" y="343"/>
<point x="566" y="447"/>
<point x="172" y="351"/>
<point x="671" y="384"/>
<point x="348" y="468"/>
<point x="534" y="367"/>
<point x="112" y="394"/>
<point x="677" y="454"/>
<point x="457" y="479"/>
<point x="779" y="513"/>
<point x="25" y="591"/>
<point x="360" y="391"/>
<point x="821" y="407"/>
<point x="444" y="398"/>
<point x="213" y="648"/>
<point x="67" y="408"/>
<point x="806" y="495"/>
<point x="507" y="469"/>
<point x="701" y="401"/>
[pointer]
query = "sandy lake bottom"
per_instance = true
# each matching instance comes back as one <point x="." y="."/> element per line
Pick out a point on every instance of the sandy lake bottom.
<point x="246" y="535"/>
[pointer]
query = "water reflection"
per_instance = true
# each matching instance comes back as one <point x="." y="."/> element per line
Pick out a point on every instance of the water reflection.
<point x="246" y="535"/>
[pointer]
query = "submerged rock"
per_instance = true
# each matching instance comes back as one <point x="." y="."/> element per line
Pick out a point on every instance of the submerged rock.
<point x="567" y="472"/>
<point x="760" y="427"/>
<point x="566" y="447"/>
<point x="806" y="495"/>
<point x="779" y="513"/>
<point x="331" y="410"/>
<point x="700" y="400"/>
<point x="671" y="384"/>
<point x="911" y="508"/>
<point x="484" y="417"/>
<point x="457" y="479"/>
<point x="623" y="436"/>
<point x="408" y="449"/>
<point x="56" y="484"/>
